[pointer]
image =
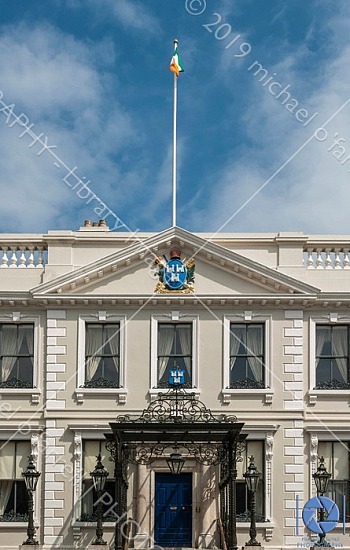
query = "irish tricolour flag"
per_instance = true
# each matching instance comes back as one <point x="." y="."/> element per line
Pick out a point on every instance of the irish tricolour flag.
<point x="176" y="64"/>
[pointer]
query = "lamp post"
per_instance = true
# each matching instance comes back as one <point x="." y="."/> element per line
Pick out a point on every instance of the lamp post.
<point x="175" y="463"/>
<point x="321" y="478"/>
<point x="252" y="478"/>
<point x="99" y="476"/>
<point x="31" y="476"/>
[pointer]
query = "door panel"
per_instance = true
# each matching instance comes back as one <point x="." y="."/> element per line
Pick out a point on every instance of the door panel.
<point x="173" y="509"/>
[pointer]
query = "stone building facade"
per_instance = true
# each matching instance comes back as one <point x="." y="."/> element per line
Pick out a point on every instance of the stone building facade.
<point x="84" y="338"/>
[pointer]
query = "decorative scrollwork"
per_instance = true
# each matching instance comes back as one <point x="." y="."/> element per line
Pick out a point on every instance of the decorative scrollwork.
<point x="245" y="517"/>
<point x="176" y="406"/>
<point x="247" y="384"/>
<point x="16" y="383"/>
<point x="13" y="516"/>
<point x="111" y="446"/>
<point x="333" y="385"/>
<point x="240" y="450"/>
<point x="144" y="454"/>
<point x="101" y="383"/>
<point x="206" y="453"/>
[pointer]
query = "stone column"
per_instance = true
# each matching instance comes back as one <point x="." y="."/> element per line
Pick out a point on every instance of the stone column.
<point x="142" y="507"/>
<point x="207" y="506"/>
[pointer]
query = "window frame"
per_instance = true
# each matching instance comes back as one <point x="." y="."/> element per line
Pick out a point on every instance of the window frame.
<point x="315" y="394"/>
<point x="331" y="326"/>
<point x="266" y="434"/>
<point x="85" y="477"/>
<point x="247" y="318"/>
<point x="103" y="318"/>
<point x="81" y="434"/>
<point x="6" y="435"/>
<point x="173" y="318"/>
<point x="323" y="434"/>
<point x="17" y="318"/>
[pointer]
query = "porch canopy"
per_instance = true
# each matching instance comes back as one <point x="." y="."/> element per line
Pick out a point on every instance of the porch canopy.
<point x="178" y="420"/>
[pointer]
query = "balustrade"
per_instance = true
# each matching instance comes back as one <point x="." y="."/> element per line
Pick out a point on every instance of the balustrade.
<point x="327" y="257"/>
<point x="23" y="256"/>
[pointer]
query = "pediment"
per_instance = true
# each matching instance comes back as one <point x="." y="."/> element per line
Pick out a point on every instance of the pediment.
<point x="130" y="272"/>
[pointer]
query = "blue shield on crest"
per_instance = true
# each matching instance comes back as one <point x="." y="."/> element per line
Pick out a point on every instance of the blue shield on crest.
<point x="177" y="377"/>
<point x="175" y="274"/>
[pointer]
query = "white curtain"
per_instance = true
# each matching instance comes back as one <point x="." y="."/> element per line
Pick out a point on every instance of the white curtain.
<point x="185" y="338"/>
<point x="322" y="335"/>
<point x="93" y="346"/>
<point x="13" y="460"/>
<point x="8" y="346"/>
<point x="236" y="339"/>
<point x="26" y="334"/>
<point x="254" y="347"/>
<point x="165" y="344"/>
<point x="5" y="493"/>
<point x="340" y="347"/>
<point x="112" y="337"/>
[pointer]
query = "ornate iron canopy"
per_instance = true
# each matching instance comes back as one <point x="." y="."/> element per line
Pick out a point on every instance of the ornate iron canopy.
<point x="178" y="421"/>
<point x="178" y="418"/>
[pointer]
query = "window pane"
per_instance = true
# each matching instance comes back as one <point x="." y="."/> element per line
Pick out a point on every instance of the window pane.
<point x="13" y="493"/>
<point x="340" y="460"/>
<point x="102" y="354"/>
<point x="16" y="355"/>
<point x="93" y="340"/>
<point x="247" y="355"/>
<point x="174" y="351"/>
<point x="323" y="370"/>
<point x="7" y="460"/>
<point x="332" y="356"/>
<point x="91" y="449"/>
<point x="241" y="498"/>
<point x="255" y="448"/>
<point x="23" y="451"/>
<point x="239" y="369"/>
<point x="323" y="340"/>
<point x="255" y="339"/>
<point x="25" y="339"/>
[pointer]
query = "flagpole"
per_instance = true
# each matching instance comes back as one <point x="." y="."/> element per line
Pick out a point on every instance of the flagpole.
<point x="174" y="141"/>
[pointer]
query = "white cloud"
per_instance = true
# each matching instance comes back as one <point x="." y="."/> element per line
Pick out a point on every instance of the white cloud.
<point x="132" y="14"/>
<point x="312" y="193"/>
<point x="58" y="83"/>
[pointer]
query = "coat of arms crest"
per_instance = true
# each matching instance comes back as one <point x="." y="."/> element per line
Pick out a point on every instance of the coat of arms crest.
<point x="175" y="275"/>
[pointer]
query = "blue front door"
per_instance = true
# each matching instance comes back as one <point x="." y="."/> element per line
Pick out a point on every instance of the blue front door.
<point x="173" y="510"/>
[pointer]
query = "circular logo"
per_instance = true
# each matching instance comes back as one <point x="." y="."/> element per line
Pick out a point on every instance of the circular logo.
<point x="175" y="274"/>
<point x="310" y="515"/>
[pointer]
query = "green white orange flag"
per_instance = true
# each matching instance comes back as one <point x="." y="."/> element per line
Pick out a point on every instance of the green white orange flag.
<point x="176" y="64"/>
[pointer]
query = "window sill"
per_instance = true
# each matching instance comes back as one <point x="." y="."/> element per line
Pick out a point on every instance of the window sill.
<point x="266" y="526"/>
<point x="83" y="393"/>
<point x="315" y="394"/>
<point x="228" y="394"/>
<point x="77" y="527"/>
<point x="154" y="392"/>
<point x="33" y="392"/>
<point x="17" y="524"/>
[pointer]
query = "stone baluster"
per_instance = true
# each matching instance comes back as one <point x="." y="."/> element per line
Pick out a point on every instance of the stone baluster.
<point x="4" y="259"/>
<point x="346" y="261"/>
<point x="13" y="260"/>
<point x="31" y="257"/>
<point x="22" y="259"/>
<point x="319" y="259"/>
<point x="328" y="260"/>
<point x="337" y="260"/>
<point x="310" y="259"/>
<point x="40" y="256"/>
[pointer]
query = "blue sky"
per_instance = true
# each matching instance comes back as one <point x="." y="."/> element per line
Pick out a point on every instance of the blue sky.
<point x="92" y="78"/>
